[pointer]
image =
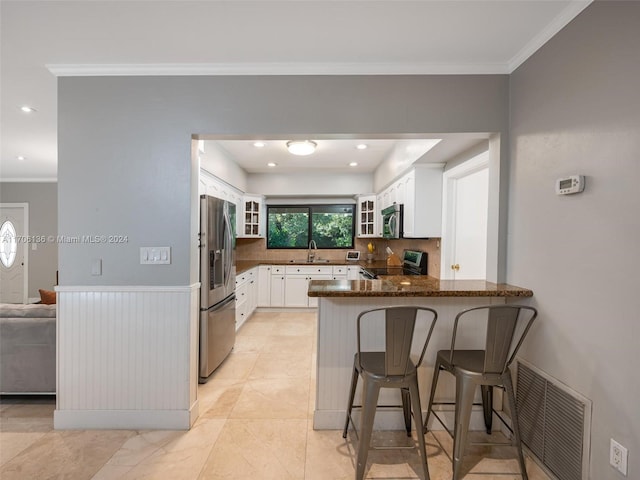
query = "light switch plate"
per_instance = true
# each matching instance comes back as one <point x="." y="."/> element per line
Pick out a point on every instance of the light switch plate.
<point x="155" y="255"/>
<point x="96" y="267"/>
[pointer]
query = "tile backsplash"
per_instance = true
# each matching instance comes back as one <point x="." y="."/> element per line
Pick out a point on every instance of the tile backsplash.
<point x="256" y="249"/>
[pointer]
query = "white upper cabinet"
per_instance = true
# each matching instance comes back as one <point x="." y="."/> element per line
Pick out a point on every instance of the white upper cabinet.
<point x="251" y="220"/>
<point x="400" y="191"/>
<point x="422" y="190"/>
<point x="368" y="214"/>
<point x="379" y="208"/>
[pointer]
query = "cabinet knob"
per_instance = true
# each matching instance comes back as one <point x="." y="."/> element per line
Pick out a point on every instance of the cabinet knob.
<point x="455" y="267"/>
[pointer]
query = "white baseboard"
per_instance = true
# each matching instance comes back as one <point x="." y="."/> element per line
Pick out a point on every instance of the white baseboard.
<point x="123" y="419"/>
<point x="194" y="412"/>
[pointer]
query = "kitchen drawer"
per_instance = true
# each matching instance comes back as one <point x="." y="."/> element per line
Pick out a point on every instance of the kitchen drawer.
<point x="242" y="293"/>
<point x="308" y="270"/>
<point x="339" y="270"/>
<point x="242" y="278"/>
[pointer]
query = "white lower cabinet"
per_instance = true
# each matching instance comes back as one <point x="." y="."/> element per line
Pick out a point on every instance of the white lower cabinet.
<point x="339" y="272"/>
<point x="284" y="286"/>
<point x="297" y="284"/>
<point x="246" y="295"/>
<point x="353" y="272"/>
<point x="242" y="295"/>
<point x="277" y="286"/>
<point x="252" y="301"/>
<point x="264" y="289"/>
<point x="295" y="294"/>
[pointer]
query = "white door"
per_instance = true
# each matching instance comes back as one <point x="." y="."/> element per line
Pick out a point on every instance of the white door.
<point x="464" y="254"/>
<point x="13" y="252"/>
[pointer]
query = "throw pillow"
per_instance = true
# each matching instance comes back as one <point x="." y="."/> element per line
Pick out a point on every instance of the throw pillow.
<point x="47" y="297"/>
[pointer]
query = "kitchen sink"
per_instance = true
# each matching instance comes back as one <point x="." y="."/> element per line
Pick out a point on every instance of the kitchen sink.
<point x="318" y="260"/>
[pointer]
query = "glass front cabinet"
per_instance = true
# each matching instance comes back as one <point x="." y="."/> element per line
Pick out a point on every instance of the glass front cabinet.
<point x="253" y="224"/>
<point x="367" y="218"/>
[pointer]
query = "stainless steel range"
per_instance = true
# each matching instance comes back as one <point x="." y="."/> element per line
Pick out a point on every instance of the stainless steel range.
<point x="414" y="262"/>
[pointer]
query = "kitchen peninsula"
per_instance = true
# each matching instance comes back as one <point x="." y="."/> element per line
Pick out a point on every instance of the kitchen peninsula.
<point x="340" y="302"/>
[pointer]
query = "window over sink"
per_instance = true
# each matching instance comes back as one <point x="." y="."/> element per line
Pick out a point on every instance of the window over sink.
<point x="294" y="226"/>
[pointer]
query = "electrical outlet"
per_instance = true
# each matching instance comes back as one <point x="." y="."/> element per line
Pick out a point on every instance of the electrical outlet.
<point x="618" y="457"/>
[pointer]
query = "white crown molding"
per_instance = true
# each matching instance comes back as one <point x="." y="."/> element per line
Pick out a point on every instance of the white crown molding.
<point x="557" y="24"/>
<point x="275" y="68"/>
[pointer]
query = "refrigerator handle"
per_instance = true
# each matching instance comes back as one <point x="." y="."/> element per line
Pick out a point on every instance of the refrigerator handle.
<point x="228" y="252"/>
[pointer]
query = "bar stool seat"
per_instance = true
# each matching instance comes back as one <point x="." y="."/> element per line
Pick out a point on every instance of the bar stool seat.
<point x="486" y="368"/>
<point x="391" y="368"/>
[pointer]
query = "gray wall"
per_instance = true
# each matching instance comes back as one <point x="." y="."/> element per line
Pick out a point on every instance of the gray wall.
<point x="575" y="109"/>
<point x="43" y="220"/>
<point x="125" y="164"/>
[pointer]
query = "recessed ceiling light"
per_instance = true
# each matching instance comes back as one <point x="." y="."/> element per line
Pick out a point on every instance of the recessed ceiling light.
<point x="20" y="157"/>
<point x="27" y="109"/>
<point x="353" y="164"/>
<point x="301" y="147"/>
<point x="271" y="164"/>
<point x="362" y="146"/>
<point x="259" y="144"/>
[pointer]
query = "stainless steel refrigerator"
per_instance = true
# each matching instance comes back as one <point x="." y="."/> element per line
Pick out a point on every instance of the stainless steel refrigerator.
<point x="218" y="280"/>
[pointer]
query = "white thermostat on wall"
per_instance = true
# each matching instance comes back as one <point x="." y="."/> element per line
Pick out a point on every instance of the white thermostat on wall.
<point x="569" y="185"/>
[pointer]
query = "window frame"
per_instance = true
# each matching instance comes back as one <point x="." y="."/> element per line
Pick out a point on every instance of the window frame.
<point x="310" y="211"/>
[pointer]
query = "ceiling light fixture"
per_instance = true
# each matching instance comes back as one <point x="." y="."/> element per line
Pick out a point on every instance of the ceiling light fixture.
<point x="301" y="147"/>
<point x="259" y="144"/>
<point x="362" y="146"/>
<point x="353" y="164"/>
<point x="272" y="164"/>
<point x="27" y="109"/>
<point x="20" y="157"/>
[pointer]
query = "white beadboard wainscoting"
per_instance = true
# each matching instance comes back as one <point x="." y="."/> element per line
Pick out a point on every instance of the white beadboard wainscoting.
<point x="127" y="357"/>
<point x="337" y="345"/>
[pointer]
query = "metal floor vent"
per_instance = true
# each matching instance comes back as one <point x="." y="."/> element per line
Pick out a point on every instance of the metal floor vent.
<point x="554" y="423"/>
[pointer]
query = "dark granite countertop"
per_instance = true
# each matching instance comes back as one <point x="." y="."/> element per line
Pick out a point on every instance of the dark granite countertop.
<point x="394" y="285"/>
<point x="413" y="286"/>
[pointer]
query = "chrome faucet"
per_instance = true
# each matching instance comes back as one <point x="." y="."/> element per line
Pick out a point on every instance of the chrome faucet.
<point x="310" y="254"/>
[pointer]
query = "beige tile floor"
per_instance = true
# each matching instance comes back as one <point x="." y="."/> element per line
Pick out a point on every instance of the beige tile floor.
<point x="256" y="416"/>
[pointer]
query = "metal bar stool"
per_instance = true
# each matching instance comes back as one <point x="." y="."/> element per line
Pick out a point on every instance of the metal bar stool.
<point x="392" y="368"/>
<point x="488" y="368"/>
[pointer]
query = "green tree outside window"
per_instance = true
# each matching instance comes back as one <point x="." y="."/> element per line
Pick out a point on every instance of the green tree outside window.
<point x="293" y="226"/>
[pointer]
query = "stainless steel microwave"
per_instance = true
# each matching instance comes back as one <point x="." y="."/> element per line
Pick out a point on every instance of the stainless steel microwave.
<point x="393" y="221"/>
